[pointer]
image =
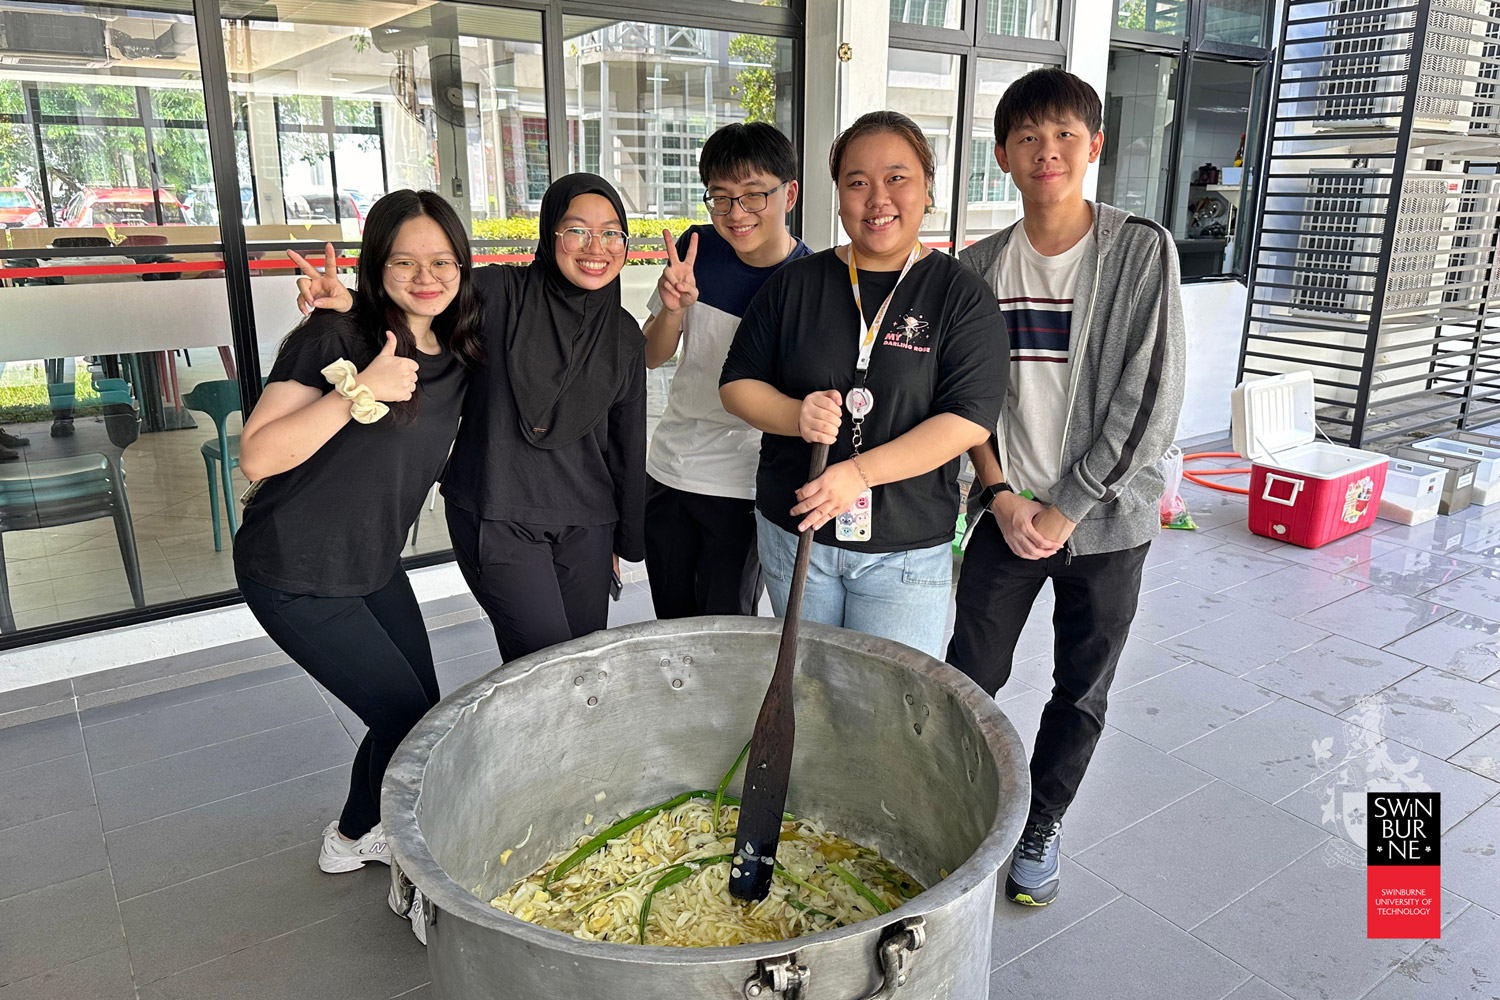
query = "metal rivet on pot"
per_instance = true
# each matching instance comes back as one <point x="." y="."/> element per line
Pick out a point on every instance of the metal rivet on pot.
<point x="910" y="700"/>
<point x="578" y="681"/>
<point x="666" y="661"/>
<point x="687" y="661"/>
<point x="677" y="682"/>
<point x="918" y="727"/>
<point x="926" y="711"/>
<point x="603" y="675"/>
<point x="971" y="777"/>
<point x="593" y="701"/>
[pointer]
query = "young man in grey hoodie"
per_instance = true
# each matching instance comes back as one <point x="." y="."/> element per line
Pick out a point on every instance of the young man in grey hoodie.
<point x="1071" y="479"/>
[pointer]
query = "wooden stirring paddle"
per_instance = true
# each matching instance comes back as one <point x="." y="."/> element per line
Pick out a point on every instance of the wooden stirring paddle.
<point x="769" y="763"/>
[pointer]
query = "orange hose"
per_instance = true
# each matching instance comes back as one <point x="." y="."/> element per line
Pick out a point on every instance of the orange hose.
<point x="1193" y="474"/>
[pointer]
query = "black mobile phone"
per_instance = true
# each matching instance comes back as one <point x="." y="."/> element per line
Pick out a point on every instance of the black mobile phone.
<point x="615" y="586"/>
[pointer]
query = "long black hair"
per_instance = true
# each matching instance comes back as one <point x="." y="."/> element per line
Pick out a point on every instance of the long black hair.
<point x="457" y="327"/>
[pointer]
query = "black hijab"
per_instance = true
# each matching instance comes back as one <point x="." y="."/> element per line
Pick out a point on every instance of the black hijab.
<point x="563" y="346"/>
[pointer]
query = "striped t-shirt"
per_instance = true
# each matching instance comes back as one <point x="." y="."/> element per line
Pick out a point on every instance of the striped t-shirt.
<point x="1036" y="296"/>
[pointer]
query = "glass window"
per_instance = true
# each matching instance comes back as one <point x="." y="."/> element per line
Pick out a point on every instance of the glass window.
<point x="994" y="202"/>
<point x="335" y="107"/>
<point x="643" y="97"/>
<point x="1166" y="17"/>
<point x="1238" y="22"/>
<point x="1026" y="18"/>
<point x="930" y="13"/>
<point x="1211" y="180"/>
<point x="1140" y="112"/>
<point x="115" y="364"/>
<point x="924" y="87"/>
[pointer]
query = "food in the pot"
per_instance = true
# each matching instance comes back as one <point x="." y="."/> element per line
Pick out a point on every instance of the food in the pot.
<point x="666" y="882"/>
<point x="661" y="876"/>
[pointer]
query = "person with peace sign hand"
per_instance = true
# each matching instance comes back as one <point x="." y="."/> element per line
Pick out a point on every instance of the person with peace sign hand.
<point x="357" y="418"/>
<point x="700" y="504"/>
<point x="320" y="289"/>
<point x="676" y="287"/>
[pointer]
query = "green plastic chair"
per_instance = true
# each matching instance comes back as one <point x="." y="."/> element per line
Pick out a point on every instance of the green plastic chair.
<point x="219" y="399"/>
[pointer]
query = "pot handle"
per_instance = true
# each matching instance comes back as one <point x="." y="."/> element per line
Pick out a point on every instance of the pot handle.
<point x="782" y="978"/>
<point x="401" y="890"/>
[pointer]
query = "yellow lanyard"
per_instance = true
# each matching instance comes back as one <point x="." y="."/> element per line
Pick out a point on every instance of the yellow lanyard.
<point x="868" y="334"/>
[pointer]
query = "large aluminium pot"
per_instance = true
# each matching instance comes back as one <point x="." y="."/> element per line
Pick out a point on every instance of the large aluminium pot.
<point x="894" y="749"/>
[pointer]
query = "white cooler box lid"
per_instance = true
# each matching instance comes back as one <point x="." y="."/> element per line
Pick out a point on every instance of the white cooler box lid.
<point x="1273" y="424"/>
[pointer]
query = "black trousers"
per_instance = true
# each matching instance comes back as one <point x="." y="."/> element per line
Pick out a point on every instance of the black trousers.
<point x="1096" y="597"/>
<point x="372" y="653"/>
<point x="700" y="553"/>
<point x="539" y="584"/>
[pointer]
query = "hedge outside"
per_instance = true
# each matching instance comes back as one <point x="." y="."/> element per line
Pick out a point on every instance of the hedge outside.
<point x="520" y="234"/>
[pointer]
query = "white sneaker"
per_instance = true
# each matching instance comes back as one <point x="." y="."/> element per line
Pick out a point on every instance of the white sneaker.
<point x="418" y="916"/>
<point x="340" y="855"/>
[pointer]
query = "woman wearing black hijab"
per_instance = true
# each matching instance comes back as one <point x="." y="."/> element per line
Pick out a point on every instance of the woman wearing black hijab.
<point x="547" y="477"/>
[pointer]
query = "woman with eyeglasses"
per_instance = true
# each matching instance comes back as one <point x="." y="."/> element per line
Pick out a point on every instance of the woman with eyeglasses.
<point x="358" y="414"/>
<point x="547" y="478"/>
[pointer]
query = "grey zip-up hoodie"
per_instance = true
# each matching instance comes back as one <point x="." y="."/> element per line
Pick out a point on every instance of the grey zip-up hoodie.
<point x="1128" y="358"/>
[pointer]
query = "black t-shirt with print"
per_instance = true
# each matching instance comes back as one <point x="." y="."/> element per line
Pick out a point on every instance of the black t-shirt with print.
<point x="942" y="348"/>
<point x="335" y="525"/>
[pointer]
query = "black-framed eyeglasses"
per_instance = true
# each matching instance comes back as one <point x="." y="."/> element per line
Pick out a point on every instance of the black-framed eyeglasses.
<point x="754" y="202"/>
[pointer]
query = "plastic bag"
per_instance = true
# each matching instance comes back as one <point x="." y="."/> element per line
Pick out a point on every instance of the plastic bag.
<point x="1174" y="513"/>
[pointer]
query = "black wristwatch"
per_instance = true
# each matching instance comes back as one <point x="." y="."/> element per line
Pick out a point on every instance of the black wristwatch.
<point x="988" y="495"/>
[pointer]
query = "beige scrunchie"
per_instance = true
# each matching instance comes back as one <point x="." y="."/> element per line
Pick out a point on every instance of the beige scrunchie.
<point x="365" y="409"/>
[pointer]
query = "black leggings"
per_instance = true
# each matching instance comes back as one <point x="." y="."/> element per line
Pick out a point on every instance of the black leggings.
<point x="539" y="584"/>
<point x="372" y="653"/>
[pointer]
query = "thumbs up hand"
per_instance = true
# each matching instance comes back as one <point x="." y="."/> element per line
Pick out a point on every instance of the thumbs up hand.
<point x="392" y="379"/>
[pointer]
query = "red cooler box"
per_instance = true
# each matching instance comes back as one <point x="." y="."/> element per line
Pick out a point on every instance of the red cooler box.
<point x="1301" y="491"/>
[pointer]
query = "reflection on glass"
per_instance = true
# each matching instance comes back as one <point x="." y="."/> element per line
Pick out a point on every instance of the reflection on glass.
<point x="643" y="98"/>
<point x="1139" y="113"/>
<point x="1166" y="17"/>
<point x="1026" y="18"/>
<point x="1239" y="22"/>
<point x="924" y="87"/>
<point x="447" y="97"/>
<point x="931" y="13"/>
<point x="115" y="367"/>
<point x="994" y="202"/>
<point x="1210" y="183"/>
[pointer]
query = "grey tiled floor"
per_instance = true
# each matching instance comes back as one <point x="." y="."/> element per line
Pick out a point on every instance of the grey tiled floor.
<point x="164" y="848"/>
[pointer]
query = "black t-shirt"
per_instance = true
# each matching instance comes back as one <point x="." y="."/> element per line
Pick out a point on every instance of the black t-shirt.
<point x="335" y="525"/>
<point x="499" y="475"/>
<point x="942" y="348"/>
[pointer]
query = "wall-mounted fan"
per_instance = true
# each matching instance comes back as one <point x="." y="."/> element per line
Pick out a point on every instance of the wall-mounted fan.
<point x="435" y="85"/>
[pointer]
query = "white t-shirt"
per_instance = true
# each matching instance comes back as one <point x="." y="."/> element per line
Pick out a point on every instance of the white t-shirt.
<point x="1036" y="295"/>
<point x="698" y="447"/>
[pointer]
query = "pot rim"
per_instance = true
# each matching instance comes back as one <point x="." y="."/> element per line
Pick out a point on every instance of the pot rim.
<point x="400" y="794"/>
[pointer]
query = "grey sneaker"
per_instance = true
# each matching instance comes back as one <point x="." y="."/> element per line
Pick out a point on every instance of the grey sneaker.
<point x="1033" y="878"/>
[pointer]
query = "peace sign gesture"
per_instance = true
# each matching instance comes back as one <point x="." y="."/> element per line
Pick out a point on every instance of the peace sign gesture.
<point x="676" y="286"/>
<point x="320" y="290"/>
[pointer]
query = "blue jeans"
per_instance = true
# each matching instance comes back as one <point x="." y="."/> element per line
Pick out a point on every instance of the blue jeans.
<point x="893" y="595"/>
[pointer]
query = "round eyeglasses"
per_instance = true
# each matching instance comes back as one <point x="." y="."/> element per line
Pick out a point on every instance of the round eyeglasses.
<point x="577" y="240"/>
<point x="754" y="202"/>
<point x="441" y="270"/>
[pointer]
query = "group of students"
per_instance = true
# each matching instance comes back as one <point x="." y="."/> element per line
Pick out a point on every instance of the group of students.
<point x="1052" y="353"/>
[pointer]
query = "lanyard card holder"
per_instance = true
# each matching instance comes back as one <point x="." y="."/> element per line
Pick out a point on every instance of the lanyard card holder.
<point x="854" y="524"/>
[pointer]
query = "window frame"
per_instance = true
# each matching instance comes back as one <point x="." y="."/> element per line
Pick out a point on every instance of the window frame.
<point x="220" y="103"/>
<point x="1191" y="48"/>
<point x="971" y="44"/>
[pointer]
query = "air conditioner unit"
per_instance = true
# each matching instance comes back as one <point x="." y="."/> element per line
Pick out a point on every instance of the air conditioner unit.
<point x="52" y="41"/>
<point x="1374" y="37"/>
<point x="1326" y="279"/>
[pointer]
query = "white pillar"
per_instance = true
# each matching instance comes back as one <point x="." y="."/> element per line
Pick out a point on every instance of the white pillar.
<point x="835" y="93"/>
<point x="1088" y="57"/>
